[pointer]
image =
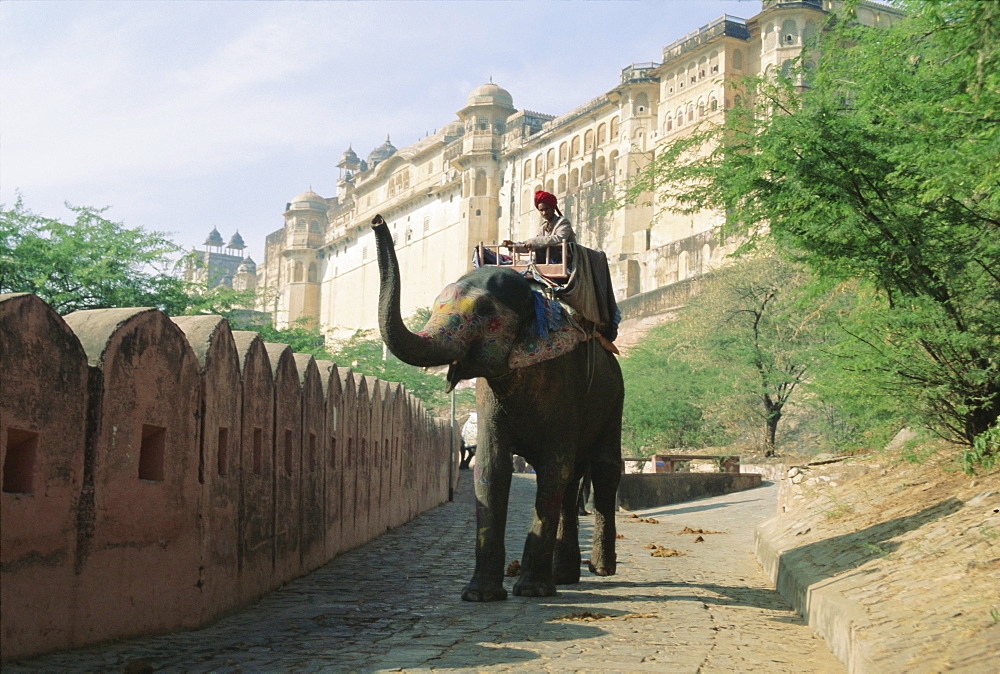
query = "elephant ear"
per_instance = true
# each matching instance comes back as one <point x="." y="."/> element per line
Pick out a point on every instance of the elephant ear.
<point x="553" y="333"/>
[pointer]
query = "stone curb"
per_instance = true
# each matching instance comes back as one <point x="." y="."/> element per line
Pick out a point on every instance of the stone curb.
<point x="820" y="603"/>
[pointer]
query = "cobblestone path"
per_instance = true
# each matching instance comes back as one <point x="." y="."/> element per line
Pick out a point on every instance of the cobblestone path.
<point x="394" y="604"/>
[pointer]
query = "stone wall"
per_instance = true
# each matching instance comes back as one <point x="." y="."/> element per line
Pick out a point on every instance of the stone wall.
<point x="158" y="473"/>
<point x="638" y="491"/>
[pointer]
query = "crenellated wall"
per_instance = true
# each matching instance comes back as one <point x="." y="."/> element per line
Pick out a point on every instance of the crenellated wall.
<point x="158" y="473"/>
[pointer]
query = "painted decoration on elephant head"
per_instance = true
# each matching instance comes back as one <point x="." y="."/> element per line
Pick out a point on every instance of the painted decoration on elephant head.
<point x="456" y="321"/>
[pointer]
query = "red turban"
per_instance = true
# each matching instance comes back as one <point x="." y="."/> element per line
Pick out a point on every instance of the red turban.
<point x="545" y="198"/>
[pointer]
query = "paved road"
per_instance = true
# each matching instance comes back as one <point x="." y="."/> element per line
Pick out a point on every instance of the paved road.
<point x="395" y="604"/>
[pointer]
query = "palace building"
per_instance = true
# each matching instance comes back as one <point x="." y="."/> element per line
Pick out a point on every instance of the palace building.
<point x="474" y="179"/>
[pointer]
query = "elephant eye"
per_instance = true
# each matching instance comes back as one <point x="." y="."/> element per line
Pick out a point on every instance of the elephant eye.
<point x="486" y="308"/>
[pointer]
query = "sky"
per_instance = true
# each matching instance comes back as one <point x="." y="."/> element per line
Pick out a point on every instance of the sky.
<point x="180" y="116"/>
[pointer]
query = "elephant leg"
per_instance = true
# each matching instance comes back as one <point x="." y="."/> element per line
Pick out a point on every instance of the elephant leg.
<point x="566" y="560"/>
<point x="605" y="478"/>
<point x="536" y="562"/>
<point x="492" y="484"/>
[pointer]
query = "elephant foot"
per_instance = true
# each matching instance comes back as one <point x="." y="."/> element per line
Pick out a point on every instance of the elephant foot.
<point x="567" y="577"/>
<point x="478" y="591"/>
<point x="604" y="569"/>
<point x="529" y="589"/>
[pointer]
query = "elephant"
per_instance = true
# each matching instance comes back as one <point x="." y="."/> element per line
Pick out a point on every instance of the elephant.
<point x="562" y="415"/>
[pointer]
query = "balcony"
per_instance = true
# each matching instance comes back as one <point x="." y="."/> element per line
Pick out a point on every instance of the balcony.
<point x="639" y="72"/>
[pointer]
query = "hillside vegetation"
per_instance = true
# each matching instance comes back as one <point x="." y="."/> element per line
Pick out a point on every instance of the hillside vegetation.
<point x="863" y="185"/>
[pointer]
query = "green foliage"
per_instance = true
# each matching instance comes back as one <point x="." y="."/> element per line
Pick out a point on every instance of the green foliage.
<point x="364" y="352"/>
<point x="93" y="263"/>
<point x="883" y="172"/>
<point x="665" y="397"/>
<point x="303" y="336"/>
<point x="984" y="453"/>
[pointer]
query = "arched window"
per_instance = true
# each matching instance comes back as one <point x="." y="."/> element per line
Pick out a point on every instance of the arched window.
<point x="808" y="32"/>
<point x="669" y="124"/>
<point x="587" y="174"/>
<point x="298" y="272"/>
<point x="680" y="117"/>
<point x="713" y="103"/>
<point x="539" y="168"/>
<point x="602" y="133"/>
<point x="690" y="112"/>
<point x="613" y="162"/>
<point x="588" y="141"/>
<point x="602" y="167"/>
<point x="549" y="186"/>
<point x="641" y="104"/>
<point x="574" y="179"/>
<point x="614" y="128"/>
<point x="682" y="265"/>
<point x="561" y="185"/>
<point x="563" y="150"/>
<point x="528" y="202"/>
<point x="527" y="169"/>
<point x="312" y="273"/>
<point x="786" y="69"/>
<point x="550" y="159"/>
<point x="574" y="148"/>
<point x="789" y="32"/>
<point x="706" y="257"/>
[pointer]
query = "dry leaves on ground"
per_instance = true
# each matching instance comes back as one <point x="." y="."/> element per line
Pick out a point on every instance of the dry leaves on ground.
<point x="591" y="616"/>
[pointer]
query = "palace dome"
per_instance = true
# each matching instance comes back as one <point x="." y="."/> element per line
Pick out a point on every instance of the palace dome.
<point x="349" y="158"/>
<point x="382" y="152"/>
<point x="310" y="199"/>
<point x="214" y="238"/>
<point x="490" y="94"/>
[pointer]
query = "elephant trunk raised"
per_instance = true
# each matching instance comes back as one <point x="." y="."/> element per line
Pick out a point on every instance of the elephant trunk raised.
<point x="408" y="346"/>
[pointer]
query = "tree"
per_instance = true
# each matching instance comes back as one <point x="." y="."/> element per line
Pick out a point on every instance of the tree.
<point x="882" y="171"/>
<point x="93" y="263"/>
<point x="665" y="396"/>
<point x="755" y="323"/>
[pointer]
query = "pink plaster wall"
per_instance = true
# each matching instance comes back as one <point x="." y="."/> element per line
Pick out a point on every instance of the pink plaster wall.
<point x="43" y="420"/>
<point x="135" y="519"/>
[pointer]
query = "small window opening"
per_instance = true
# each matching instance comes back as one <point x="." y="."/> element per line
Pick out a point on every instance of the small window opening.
<point x="19" y="462"/>
<point x="258" y="451"/>
<point x="151" y="451"/>
<point x="222" y="452"/>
